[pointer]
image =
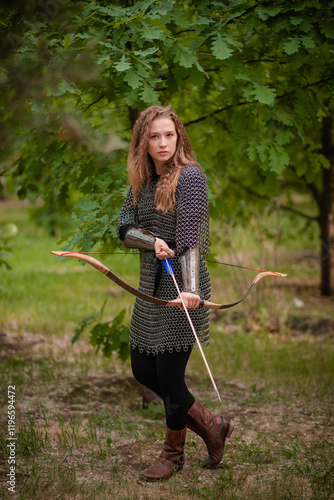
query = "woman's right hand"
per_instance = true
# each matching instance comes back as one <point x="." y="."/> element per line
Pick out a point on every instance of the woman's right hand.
<point x="162" y="250"/>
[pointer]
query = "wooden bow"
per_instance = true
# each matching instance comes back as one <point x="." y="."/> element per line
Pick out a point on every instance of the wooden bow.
<point x="154" y="300"/>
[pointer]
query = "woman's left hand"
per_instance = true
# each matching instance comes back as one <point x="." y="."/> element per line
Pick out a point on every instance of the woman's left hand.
<point x="191" y="300"/>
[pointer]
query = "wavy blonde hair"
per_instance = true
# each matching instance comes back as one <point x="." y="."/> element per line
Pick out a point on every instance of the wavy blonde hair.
<point x="141" y="165"/>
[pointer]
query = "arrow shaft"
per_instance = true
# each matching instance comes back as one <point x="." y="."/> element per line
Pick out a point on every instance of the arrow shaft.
<point x="194" y="332"/>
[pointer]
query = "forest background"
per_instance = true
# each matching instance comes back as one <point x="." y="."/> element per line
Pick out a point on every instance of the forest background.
<point x="253" y="83"/>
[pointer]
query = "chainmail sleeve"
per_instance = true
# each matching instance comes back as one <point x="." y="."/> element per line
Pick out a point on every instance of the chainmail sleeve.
<point x="192" y="211"/>
<point x="128" y="216"/>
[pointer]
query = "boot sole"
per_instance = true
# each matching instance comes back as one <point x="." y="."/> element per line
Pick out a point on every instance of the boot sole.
<point x="228" y="435"/>
<point x="175" y="468"/>
<point x="156" y="478"/>
<point x="230" y="429"/>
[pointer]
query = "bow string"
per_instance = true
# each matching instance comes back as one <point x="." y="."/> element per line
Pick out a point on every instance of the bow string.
<point x="154" y="300"/>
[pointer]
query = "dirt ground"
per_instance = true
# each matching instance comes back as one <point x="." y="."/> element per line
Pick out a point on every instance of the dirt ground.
<point x="87" y="419"/>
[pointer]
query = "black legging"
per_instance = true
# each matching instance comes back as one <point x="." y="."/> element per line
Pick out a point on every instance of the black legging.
<point x="164" y="375"/>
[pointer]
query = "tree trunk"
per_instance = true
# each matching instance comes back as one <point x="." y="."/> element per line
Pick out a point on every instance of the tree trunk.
<point x="2" y="188"/>
<point x="133" y="115"/>
<point x="327" y="212"/>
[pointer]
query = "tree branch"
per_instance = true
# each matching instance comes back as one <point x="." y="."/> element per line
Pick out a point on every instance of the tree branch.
<point x="242" y="103"/>
<point x="310" y="186"/>
<point x="94" y="102"/>
<point x="263" y="197"/>
<point x="201" y="118"/>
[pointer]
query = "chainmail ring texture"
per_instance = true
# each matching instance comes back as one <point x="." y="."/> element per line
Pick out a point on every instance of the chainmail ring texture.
<point x="154" y="328"/>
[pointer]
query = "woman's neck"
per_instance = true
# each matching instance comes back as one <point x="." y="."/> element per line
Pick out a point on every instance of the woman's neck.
<point x="160" y="167"/>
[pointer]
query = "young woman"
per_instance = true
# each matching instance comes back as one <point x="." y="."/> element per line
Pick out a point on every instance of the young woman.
<point x="166" y="214"/>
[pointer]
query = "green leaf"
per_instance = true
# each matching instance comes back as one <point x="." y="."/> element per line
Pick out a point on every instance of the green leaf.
<point x="143" y="70"/>
<point x="147" y="52"/>
<point x="265" y="12"/>
<point x="284" y="136"/>
<point x="124" y="350"/>
<point x="200" y="68"/>
<point x="184" y="56"/>
<point x="161" y="10"/>
<point x="306" y="25"/>
<point x="102" y="58"/>
<point x="243" y="76"/>
<point x="196" y="78"/>
<point x="278" y="159"/>
<point x="234" y="42"/>
<point x="220" y="49"/>
<point x="292" y="46"/>
<point x="111" y="336"/>
<point x="295" y="20"/>
<point x="86" y="322"/>
<point x="151" y="33"/>
<point x="111" y="10"/>
<point x="67" y="41"/>
<point x="283" y="117"/>
<point x="88" y="209"/>
<point x="251" y="149"/>
<point x="262" y="150"/>
<point x="37" y="106"/>
<point x="307" y="42"/>
<point x="123" y="64"/>
<point x="131" y="97"/>
<point x="149" y="95"/>
<point x="203" y="21"/>
<point x="327" y="28"/>
<point x="179" y="16"/>
<point x="229" y="71"/>
<point x="63" y="87"/>
<point x="264" y="94"/>
<point x="133" y="79"/>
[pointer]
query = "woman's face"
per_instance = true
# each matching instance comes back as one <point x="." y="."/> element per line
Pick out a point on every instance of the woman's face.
<point x="162" y="142"/>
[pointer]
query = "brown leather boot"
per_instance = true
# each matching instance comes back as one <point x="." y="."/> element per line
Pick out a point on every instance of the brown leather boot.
<point x="172" y="457"/>
<point x="212" y="429"/>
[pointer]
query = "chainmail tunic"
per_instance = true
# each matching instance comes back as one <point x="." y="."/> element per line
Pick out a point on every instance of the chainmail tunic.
<point x="155" y="328"/>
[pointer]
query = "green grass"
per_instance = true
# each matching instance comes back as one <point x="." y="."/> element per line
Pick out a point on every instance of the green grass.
<point x="303" y="365"/>
<point x="81" y="430"/>
<point x="52" y="296"/>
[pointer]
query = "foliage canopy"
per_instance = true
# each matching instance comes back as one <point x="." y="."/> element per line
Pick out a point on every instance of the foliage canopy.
<point x="253" y="81"/>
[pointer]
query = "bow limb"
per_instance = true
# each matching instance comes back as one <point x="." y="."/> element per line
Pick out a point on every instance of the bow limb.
<point x="258" y="277"/>
<point x="154" y="300"/>
<point x="104" y="270"/>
